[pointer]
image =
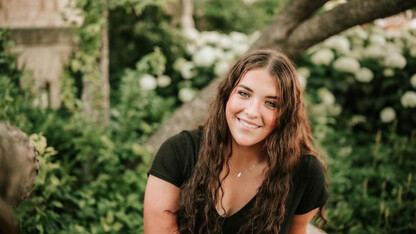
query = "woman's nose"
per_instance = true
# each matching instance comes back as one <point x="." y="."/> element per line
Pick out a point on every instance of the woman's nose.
<point x="252" y="109"/>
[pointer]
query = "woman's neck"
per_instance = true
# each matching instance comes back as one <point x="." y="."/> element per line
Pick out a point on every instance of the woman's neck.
<point x="246" y="156"/>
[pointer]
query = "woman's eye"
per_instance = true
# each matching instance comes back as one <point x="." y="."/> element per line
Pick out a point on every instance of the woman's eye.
<point x="271" y="104"/>
<point x="243" y="94"/>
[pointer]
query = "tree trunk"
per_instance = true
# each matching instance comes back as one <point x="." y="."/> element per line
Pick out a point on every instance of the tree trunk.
<point x="181" y="12"/>
<point x="96" y="87"/>
<point x="295" y="29"/>
<point x="104" y="69"/>
<point x="19" y="164"/>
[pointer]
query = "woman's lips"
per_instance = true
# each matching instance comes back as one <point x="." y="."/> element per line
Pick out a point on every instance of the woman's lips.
<point x="248" y="124"/>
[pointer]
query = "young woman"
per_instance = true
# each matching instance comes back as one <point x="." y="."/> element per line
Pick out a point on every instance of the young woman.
<point x="250" y="169"/>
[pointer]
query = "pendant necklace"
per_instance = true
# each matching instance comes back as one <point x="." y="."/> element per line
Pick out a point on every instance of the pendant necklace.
<point x="240" y="173"/>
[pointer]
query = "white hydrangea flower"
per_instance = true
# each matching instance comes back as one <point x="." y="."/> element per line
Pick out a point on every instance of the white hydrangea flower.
<point x="313" y="49"/>
<point x="408" y="99"/>
<point x="339" y="43"/>
<point x="186" y="94"/>
<point x="304" y="71"/>
<point x="360" y="32"/>
<point x="191" y="48"/>
<point x="229" y="56"/>
<point x="239" y="48"/>
<point x="219" y="53"/>
<point x="225" y="42"/>
<point x="377" y="39"/>
<point x="356" y="31"/>
<point x="302" y="81"/>
<point x="335" y="110"/>
<point x="148" y="82"/>
<point x="393" y="34"/>
<point x="187" y="70"/>
<point x="210" y="37"/>
<point x="357" y="119"/>
<point x="204" y="57"/>
<point x="326" y="96"/>
<point x="395" y="60"/>
<point x="163" y="81"/>
<point x="393" y="48"/>
<point x="357" y="54"/>
<point x="412" y="51"/>
<point x="387" y="115"/>
<point x="357" y="42"/>
<point x="408" y="37"/>
<point x="322" y="57"/>
<point x="374" y="51"/>
<point x="177" y="65"/>
<point x="413" y="81"/>
<point x="398" y="43"/>
<point x="346" y="64"/>
<point x="221" y="67"/>
<point x="238" y="36"/>
<point x="191" y="34"/>
<point x="364" y="75"/>
<point x="388" y="72"/>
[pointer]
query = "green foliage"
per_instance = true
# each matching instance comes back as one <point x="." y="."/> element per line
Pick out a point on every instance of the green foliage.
<point x="235" y="15"/>
<point x="133" y="36"/>
<point x="86" y="182"/>
<point x="140" y="110"/>
<point x="372" y="182"/>
<point x="64" y="202"/>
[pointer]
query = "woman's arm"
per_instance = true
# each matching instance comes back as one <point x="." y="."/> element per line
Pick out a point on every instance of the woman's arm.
<point x="160" y="198"/>
<point x="300" y="222"/>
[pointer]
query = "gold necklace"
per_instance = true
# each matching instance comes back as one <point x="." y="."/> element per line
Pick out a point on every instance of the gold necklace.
<point x="240" y="173"/>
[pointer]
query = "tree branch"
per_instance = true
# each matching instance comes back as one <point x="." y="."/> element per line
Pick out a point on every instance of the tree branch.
<point x="286" y="21"/>
<point x="354" y="12"/>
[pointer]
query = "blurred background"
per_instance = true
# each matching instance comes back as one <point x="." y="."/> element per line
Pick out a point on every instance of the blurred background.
<point x="98" y="85"/>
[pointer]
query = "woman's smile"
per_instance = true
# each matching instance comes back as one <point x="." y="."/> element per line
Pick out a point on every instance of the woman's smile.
<point x="248" y="124"/>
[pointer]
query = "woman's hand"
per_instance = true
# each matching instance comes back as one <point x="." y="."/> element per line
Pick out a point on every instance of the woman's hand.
<point x="160" y="201"/>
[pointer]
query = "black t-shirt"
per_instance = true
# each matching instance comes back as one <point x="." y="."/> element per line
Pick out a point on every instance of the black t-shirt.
<point x="176" y="159"/>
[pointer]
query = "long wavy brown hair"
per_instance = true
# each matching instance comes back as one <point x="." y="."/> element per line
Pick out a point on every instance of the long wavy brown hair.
<point x="290" y="139"/>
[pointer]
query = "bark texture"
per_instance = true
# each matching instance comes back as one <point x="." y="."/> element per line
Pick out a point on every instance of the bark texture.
<point x="181" y="12"/>
<point x="19" y="164"/>
<point x="295" y="29"/>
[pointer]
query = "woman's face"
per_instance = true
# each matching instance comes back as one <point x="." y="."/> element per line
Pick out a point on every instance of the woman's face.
<point x="251" y="110"/>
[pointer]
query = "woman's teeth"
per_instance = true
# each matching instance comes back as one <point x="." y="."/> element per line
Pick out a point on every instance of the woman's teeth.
<point x="247" y="124"/>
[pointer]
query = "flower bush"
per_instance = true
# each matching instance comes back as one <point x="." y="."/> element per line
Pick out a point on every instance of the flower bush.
<point x="361" y="91"/>
<point x="371" y="73"/>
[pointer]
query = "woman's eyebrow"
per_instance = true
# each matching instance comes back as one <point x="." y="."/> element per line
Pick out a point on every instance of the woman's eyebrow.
<point x="245" y="87"/>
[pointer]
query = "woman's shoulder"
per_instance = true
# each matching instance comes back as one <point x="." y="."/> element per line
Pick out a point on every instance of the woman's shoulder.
<point x="177" y="157"/>
<point x="187" y="137"/>
<point x="310" y="165"/>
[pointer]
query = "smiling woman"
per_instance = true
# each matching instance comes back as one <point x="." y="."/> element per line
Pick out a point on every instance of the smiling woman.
<point x="250" y="169"/>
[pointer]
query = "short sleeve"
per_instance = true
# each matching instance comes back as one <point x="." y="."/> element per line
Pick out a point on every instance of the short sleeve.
<point x="176" y="158"/>
<point x="316" y="192"/>
<point x="167" y="164"/>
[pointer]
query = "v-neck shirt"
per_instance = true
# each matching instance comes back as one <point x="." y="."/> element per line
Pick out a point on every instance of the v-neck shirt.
<point x="176" y="159"/>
